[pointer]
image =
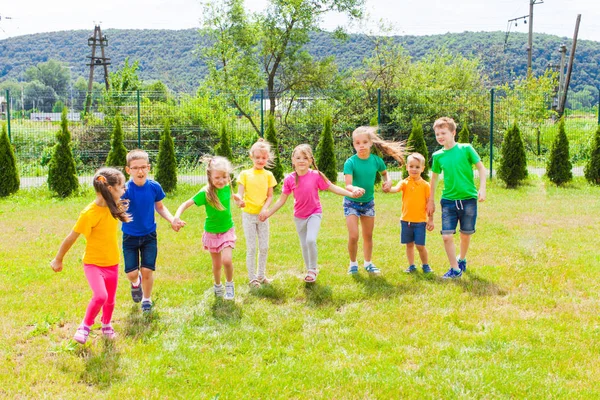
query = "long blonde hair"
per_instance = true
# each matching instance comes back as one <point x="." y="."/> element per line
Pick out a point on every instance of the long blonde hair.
<point x="306" y="150"/>
<point x="388" y="147"/>
<point x="104" y="178"/>
<point x="216" y="164"/>
<point x="263" y="145"/>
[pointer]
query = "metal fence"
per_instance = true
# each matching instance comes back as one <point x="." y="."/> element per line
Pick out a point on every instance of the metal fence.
<point x="196" y="122"/>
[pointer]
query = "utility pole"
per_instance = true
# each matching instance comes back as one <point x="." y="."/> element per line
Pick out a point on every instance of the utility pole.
<point x="563" y="99"/>
<point x="97" y="40"/>
<point x="530" y="40"/>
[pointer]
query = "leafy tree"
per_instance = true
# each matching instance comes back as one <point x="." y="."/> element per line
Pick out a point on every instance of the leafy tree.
<point x="117" y="156"/>
<point x="592" y="168"/>
<point x="559" y="164"/>
<point x="271" y="137"/>
<point x="326" y="160"/>
<point x="513" y="166"/>
<point x="62" y="177"/>
<point x="125" y="79"/>
<point x="464" y="136"/>
<point x="51" y="73"/>
<point x="9" y="175"/>
<point x="39" y="96"/>
<point x="156" y="91"/>
<point x="416" y="144"/>
<point x="223" y="148"/>
<point x="166" y="173"/>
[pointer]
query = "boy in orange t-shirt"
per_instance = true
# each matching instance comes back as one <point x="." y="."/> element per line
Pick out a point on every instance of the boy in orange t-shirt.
<point x="415" y="194"/>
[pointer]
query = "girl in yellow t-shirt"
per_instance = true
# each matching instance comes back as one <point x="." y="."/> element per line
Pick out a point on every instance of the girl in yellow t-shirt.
<point x="98" y="222"/>
<point x="255" y="186"/>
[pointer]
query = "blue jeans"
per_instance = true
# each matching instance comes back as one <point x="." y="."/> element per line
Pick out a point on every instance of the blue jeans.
<point x="463" y="211"/>
<point x="366" y="209"/>
<point x="413" y="232"/>
<point x="136" y="247"/>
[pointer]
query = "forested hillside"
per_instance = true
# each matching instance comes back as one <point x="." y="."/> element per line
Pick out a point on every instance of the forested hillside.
<point x="173" y="57"/>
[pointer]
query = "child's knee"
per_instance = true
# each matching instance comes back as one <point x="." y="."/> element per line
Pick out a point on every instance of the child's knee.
<point x="448" y="238"/>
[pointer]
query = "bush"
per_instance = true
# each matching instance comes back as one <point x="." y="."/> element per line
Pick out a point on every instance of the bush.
<point x="559" y="164"/>
<point x="326" y="160"/>
<point x="271" y="137"/>
<point x="62" y="175"/>
<point x="592" y="168"/>
<point x="464" y="136"/>
<point x="416" y="144"/>
<point x="9" y="175"/>
<point x="117" y="156"/>
<point x="513" y="166"/>
<point x="166" y="173"/>
<point x="223" y="148"/>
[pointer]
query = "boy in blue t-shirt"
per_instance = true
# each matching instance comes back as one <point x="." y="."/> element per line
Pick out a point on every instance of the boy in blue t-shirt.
<point x="139" y="235"/>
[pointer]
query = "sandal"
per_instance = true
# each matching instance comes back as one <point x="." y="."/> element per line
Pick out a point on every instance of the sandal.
<point x="311" y="276"/>
<point x="254" y="283"/>
<point x="265" y="281"/>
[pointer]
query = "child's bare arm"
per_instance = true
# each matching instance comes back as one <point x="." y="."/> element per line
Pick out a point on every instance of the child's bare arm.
<point x="356" y="192"/>
<point x="482" y="181"/>
<point x="184" y="206"/>
<point x="278" y="204"/>
<point x="387" y="181"/>
<point x="431" y="201"/>
<point x="269" y="199"/>
<point x="57" y="262"/>
<point x="239" y="201"/>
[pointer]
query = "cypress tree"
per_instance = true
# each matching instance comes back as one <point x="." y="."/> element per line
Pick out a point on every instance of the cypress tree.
<point x="223" y="148"/>
<point x="416" y="144"/>
<point x="559" y="164"/>
<point x="271" y="137"/>
<point x="166" y="169"/>
<point x="592" y="168"/>
<point x="62" y="174"/>
<point x="326" y="160"/>
<point x="117" y="156"/>
<point x="464" y="136"/>
<point x="9" y="175"/>
<point x="513" y="167"/>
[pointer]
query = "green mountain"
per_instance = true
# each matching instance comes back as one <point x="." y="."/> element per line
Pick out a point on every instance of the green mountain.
<point x="174" y="56"/>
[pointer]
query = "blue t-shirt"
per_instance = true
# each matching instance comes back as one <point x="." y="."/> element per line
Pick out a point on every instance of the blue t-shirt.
<point x="141" y="207"/>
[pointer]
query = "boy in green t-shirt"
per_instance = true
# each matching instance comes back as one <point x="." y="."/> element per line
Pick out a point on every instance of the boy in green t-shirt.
<point x="460" y="196"/>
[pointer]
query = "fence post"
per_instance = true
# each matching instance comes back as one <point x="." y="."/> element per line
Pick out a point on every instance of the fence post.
<point x="139" y="120"/>
<point x="262" y="113"/>
<point x="491" y="132"/>
<point x="8" y="113"/>
<point x="379" y="107"/>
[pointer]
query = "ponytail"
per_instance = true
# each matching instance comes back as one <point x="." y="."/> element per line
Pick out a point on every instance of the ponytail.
<point x="104" y="178"/>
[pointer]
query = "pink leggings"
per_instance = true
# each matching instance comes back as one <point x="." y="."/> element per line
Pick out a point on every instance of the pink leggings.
<point x="103" y="282"/>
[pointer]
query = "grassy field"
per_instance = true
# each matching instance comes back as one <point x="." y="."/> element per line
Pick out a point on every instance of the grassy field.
<point x="522" y="323"/>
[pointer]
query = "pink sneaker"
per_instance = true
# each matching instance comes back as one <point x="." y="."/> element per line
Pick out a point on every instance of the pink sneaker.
<point x="108" y="332"/>
<point x="81" y="335"/>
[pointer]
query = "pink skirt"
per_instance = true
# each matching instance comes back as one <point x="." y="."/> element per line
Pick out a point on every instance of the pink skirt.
<point x="216" y="242"/>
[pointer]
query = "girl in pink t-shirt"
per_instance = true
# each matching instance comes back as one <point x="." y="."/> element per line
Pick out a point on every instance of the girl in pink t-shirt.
<point x="305" y="184"/>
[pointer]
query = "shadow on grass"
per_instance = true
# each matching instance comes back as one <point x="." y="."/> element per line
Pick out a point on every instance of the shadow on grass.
<point x="102" y="369"/>
<point x="317" y="294"/>
<point x="141" y="325"/>
<point x="269" y="292"/>
<point x="226" y="311"/>
<point x="470" y="282"/>
<point x="378" y="286"/>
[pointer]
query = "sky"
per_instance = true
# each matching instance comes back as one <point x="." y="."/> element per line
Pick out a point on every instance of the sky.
<point x="404" y="17"/>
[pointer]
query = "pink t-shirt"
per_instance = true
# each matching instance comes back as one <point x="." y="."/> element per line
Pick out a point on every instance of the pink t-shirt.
<point x="306" y="194"/>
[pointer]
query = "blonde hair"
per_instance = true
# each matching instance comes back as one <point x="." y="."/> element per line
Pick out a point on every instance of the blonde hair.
<point x="306" y="150"/>
<point x="264" y="146"/>
<point x="388" y="147"/>
<point x="216" y="164"/>
<point x="137" y="154"/>
<point x="416" y="156"/>
<point x="104" y="178"/>
<point x="445" y="122"/>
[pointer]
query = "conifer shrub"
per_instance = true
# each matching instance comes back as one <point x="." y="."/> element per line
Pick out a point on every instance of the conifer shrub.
<point x="559" y="164"/>
<point x="271" y="137"/>
<point x="464" y="136"/>
<point x="592" y="168"/>
<point x="223" y="148"/>
<point x="117" y="156"/>
<point x="326" y="160"/>
<point x="416" y="144"/>
<point x="62" y="174"/>
<point x="9" y="175"/>
<point x="166" y="165"/>
<point x="513" y="165"/>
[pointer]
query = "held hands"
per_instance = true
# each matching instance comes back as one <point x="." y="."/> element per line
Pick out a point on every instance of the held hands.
<point x="357" y="192"/>
<point x="56" y="265"/>
<point x="386" y="186"/>
<point x="177" y="224"/>
<point x="239" y="201"/>
<point x="262" y="217"/>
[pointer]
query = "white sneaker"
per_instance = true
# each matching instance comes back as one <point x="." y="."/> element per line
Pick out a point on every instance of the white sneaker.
<point x="229" y="291"/>
<point x="219" y="290"/>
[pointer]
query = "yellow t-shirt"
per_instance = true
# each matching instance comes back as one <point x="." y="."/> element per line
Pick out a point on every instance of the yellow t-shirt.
<point x="256" y="185"/>
<point x="414" y="199"/>
<point x="100" y="230"/>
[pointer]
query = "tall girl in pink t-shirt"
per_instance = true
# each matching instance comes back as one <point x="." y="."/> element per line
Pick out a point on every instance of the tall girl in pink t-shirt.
<point x="305" y="184"/>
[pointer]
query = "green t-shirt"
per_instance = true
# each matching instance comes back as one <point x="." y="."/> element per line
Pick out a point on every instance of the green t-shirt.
<point x="457" y="166"/>
<point x="216" y="221"/>
<point x="363" y="174"/>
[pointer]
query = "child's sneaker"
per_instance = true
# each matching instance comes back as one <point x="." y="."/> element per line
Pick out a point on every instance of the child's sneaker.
<point x="81" y="335"/>
<point x="136" y="291"/>
<point x="229" y="291"/>
<point x="146" y="306"/>
<point x="108" y="332"/>
<point x="411" y="269"/>
<point x="372" y="269"/>
<point x="462" y="264"/>
<point x="452" y="274"/>
<point x="219" y="290"/>
<point x="353" y="270"/>
<point x="426" y="269"/>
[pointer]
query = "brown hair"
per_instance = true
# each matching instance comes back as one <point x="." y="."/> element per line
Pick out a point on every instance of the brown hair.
<point x="216" y="164"/>
<point x="416" y="156"/>
<point x="388" y="147"/>
<point x="104" y="178"/>
<point x="445" y="122"/>
<point x="137" y="154"/>
<point x="262" y="145"/>
<point x="307" y="151"/>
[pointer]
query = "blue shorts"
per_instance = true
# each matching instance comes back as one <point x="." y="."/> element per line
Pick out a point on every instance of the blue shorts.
<point x="413" y="232"/>
<point x="366" y="209"/>
<point x="454" y="211"/>
<point x="136" y="247"/>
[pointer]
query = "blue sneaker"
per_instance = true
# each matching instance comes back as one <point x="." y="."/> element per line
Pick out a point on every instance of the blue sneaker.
<point x="411" y="269"/>
<point x="462" y="264"/>
<point x="426" y="269"/>
<point x="353" y="270"/>
<point x="136" y="291"/>
<point x="146" y="306"/>
<point x="452" y="274"/>
<point x="372" y="269"/>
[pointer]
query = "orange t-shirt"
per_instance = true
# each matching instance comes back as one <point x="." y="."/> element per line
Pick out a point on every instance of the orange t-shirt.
<point x="414" y="199"/>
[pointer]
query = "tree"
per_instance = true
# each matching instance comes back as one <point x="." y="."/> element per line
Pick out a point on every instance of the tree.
<point x="223" y="148"/>
<point x="271" y="137"/>
<point x="117" y="156"/>
<point x="9" y="175"/>
<point x="464" y="136"/>
<point x="62" y="175"/>
<point x="513" y="167"/>
<point x="166" y="173"/>
<point x="326" y="160"/>
<point x="416" y="144"/>
<point x="39" y="96"/>
<point x="51" y="73"/>
<point x="592" y="168"/>
<point x="559" y="164"/>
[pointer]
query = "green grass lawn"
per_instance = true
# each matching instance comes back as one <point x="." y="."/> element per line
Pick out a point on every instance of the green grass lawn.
<point x="522" y="323"/>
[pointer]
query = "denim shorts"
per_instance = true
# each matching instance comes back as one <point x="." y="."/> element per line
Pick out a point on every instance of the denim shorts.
<point x="454" y="211"/>
<point x="413" y="232"/>
<point x="136" y="247"/>
<point x="366" y="209"/>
